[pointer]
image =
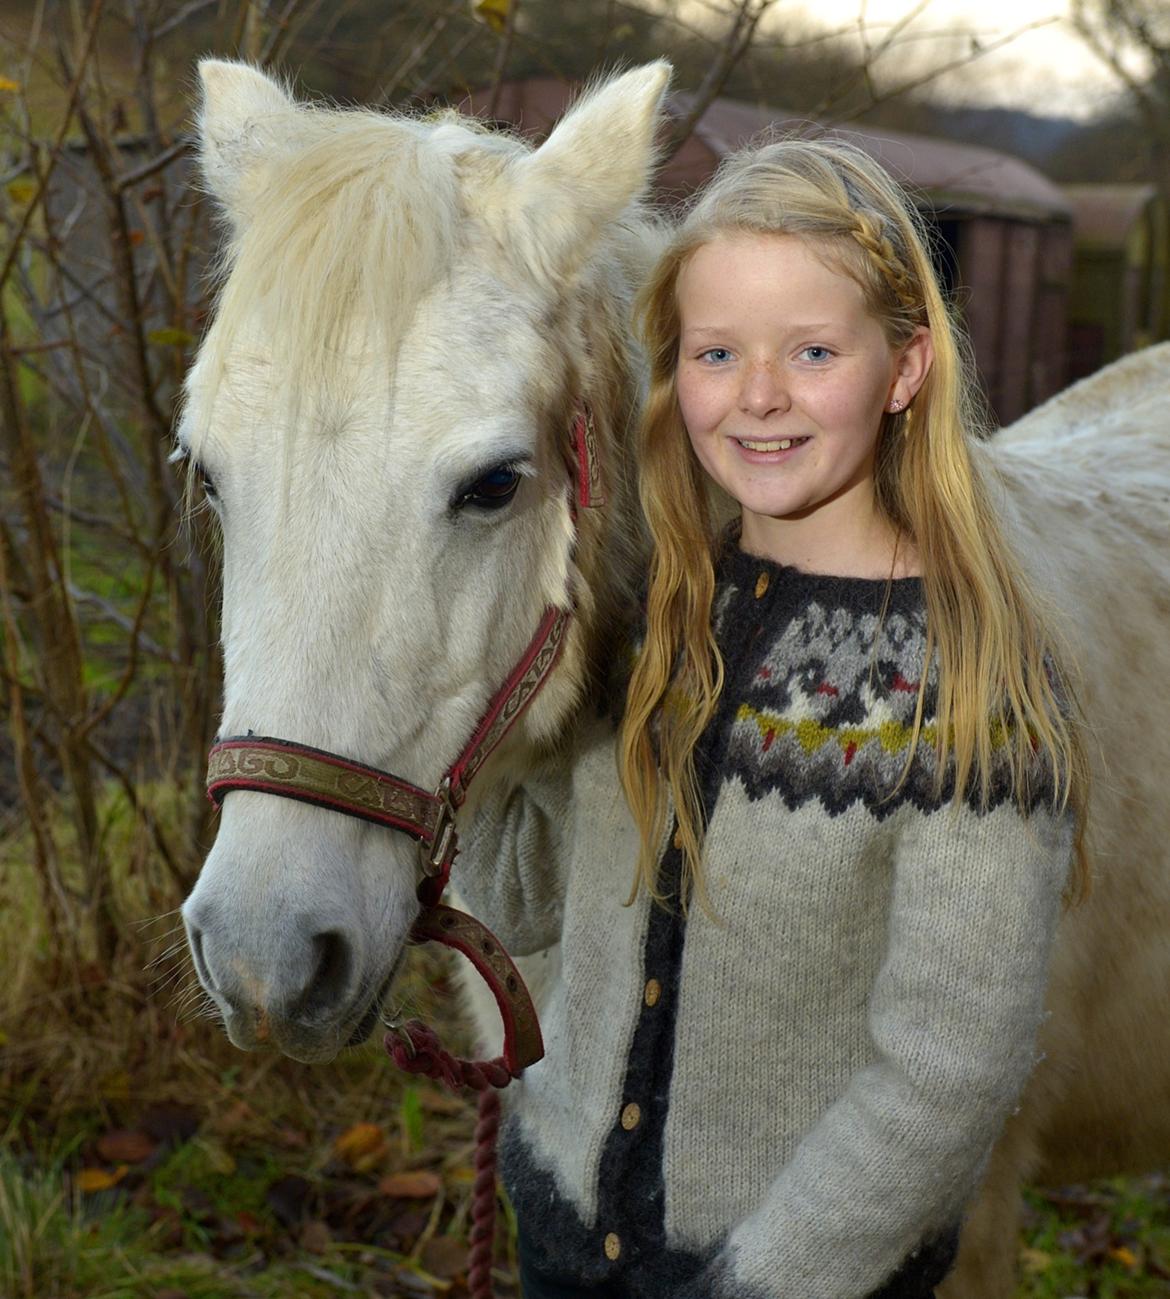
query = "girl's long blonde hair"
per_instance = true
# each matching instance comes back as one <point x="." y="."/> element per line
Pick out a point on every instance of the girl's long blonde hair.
<point x="1000" y="671"/>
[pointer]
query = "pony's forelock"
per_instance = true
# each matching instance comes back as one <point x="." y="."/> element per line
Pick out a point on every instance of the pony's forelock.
<point x="356" y="220"/>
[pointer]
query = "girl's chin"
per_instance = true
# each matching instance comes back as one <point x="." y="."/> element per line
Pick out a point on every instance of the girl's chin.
<point x="768" y="511"/>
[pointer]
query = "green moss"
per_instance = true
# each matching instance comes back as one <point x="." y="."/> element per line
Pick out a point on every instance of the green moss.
<point x="235" y="1183"/>
<point x="1110" y="1240"/>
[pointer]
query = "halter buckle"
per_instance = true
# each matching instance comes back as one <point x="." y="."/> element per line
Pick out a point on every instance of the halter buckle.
<point x="436" y="855"/>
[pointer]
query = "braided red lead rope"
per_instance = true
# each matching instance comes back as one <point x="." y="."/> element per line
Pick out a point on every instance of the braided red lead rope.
<point x="416" y="1048"/>
<point x="483" y="1196"/>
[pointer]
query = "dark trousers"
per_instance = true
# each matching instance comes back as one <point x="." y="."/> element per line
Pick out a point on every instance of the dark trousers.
<point x="915" y="1279"/>
<point x="537" y="1287"/>
<point x="533" y="1286"/>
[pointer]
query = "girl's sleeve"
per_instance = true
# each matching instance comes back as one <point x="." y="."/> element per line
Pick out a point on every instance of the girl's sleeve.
<point x="514" y="852"/>
<point x="953" y="1014"/>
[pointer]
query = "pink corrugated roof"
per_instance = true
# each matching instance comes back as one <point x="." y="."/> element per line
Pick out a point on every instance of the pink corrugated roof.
<point x="961" y="177"/>
<point x="966" y="177"/>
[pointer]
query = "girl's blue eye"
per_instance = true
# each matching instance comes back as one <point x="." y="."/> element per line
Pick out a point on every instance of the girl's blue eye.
<point x="817" y="353"/>
<point x="717" y="355"/>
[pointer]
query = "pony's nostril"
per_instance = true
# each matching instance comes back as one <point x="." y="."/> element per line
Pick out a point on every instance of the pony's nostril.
<point x="200" y="960"/>
<point x="328" y="982"/>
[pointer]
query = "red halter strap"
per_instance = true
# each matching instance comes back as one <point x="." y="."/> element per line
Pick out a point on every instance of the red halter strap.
<point x="269" y="765"/>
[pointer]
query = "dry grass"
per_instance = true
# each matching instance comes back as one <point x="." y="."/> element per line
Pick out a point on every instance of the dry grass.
<point x="87" y="1054"/>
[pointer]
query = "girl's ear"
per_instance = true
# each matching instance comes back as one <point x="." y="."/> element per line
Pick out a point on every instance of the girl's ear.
<point x="913" y="365"/>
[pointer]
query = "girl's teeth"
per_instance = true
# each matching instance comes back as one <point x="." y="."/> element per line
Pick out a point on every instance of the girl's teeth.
<point x="766" y="446"/>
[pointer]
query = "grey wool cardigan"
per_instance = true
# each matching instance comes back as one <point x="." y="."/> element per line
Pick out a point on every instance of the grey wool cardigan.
<point x="793" y="1098"/>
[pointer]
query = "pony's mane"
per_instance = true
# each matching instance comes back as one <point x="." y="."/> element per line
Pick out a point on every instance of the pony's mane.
<point x="356" y="218"/>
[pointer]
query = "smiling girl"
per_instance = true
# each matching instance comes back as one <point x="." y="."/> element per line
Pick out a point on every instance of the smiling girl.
<point x="852" y="787"/>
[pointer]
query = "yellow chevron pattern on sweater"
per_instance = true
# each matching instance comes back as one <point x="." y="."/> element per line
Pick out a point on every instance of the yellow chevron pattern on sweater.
<point x="894" y="737"/>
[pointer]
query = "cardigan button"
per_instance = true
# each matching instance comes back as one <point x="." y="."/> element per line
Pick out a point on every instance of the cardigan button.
<point x="631" y="1116"/>
<point x="762" y="585"/>
<point x="652" y="992"/>
<point x="613" y="1246"/>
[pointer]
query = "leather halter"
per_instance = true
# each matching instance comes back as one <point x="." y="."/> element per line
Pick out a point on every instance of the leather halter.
<point x="269" y="765"/>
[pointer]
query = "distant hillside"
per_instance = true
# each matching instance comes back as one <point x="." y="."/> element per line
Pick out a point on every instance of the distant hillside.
<point x="1065" y="149"/>
<point x="1035" y="139"/>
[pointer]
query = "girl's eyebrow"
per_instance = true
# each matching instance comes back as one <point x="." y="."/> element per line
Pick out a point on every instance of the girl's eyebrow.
<point x="813" y="327"/>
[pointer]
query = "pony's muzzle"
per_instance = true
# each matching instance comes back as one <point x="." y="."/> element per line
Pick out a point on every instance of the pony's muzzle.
<point x="298" y="995"/>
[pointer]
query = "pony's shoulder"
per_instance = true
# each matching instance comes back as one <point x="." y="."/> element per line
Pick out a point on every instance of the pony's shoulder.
<point x="1119" y="392"/>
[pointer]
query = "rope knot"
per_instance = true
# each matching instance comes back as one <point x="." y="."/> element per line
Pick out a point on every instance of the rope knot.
<point x="415" y="1048"/>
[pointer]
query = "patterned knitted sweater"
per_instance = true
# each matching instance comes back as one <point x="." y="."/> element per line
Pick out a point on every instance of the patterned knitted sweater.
<point x="794" y="1100"/>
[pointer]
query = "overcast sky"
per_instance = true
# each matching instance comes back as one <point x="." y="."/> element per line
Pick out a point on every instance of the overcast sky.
<point x="1048" y="70"/>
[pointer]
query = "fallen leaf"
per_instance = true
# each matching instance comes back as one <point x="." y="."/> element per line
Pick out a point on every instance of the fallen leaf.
<point x="137" y="238"/>
<point x="420" y="1185"/>
<point x="1125" y="1256"/>
<point x="316" y="1236"/>
<point x="171" y="337"/>
<point x="6" y="83"/>
<point x="218" y="1156"/>
<point x="22" y="191"/>
<point x="492" y="12"/>
<point x="1035" y="1260"/>
<point x="444" y="1256"/>
<point x="99" y="1179"/>
<point x="125" y="1147"/>
<point x="249" y="1224"/>
<point x="361" y="1146"/>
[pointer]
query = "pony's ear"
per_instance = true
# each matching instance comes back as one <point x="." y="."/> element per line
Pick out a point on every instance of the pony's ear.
<point x="597" y="160"/>
<point x="244" y="118"/>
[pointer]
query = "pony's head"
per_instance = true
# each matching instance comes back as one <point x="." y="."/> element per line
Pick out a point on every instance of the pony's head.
<point x="380" y="413"/>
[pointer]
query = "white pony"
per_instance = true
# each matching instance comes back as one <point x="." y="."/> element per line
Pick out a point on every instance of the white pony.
<point x="381" y="413"/>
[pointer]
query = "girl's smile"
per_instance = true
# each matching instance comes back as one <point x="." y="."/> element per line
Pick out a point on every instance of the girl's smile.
<point x="783" y="377"/>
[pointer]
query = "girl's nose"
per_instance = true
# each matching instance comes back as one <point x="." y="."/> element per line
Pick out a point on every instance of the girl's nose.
<point x="763" y="391"/>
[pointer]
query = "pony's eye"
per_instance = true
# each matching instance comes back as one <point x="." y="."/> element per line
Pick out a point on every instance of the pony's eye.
<point x="492" y="491"/>
<point x="182" y="456"/>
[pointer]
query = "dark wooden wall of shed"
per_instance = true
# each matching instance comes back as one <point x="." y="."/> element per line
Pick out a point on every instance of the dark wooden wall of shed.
<point x="1016" y="275"/>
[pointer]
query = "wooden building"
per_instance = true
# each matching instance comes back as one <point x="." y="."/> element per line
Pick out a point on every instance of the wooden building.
<point x="1121" y="281"/>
